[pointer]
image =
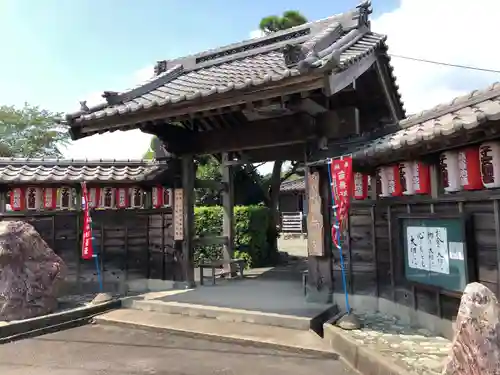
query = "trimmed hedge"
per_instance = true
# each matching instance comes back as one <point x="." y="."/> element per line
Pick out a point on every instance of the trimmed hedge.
<point x="251" y="224"/>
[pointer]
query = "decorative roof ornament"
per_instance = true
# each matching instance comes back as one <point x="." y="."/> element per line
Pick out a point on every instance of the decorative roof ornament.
<point x="160" y="67"/>
<point x="110" y="97"/>
<point x="293" y="54"/>
<point x="364" y="11"/>
<point x="84" y="107"/>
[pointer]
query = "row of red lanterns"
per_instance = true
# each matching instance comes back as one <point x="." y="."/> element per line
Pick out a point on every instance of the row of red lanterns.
<point x="469" y="168"/>
<point x="34" y="198"/>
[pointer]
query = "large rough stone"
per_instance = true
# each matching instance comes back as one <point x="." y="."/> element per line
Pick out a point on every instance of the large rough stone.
<point x="30" y="272"/>
<point x="476" y="345"/>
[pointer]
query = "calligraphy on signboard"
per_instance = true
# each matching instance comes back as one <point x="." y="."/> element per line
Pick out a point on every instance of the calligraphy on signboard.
<point x="178" y="215"/>
<point x="428" y="249"/>
<point x="315" y="229"/>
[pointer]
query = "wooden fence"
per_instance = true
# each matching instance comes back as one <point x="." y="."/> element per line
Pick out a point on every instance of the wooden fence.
<point x="373" y="255"/>
<point x="132" y="244"/>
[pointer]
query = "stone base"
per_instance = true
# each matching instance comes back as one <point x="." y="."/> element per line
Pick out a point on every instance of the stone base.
<point x="314" y="295"/>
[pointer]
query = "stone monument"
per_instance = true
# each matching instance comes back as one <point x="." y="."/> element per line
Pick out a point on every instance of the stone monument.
<point x="30" y="272"/>
<point x="476" y="345"/>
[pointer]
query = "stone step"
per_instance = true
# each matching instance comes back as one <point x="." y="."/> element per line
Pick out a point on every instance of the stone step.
<point x="223" y="314"/>
<point x="242" y="333"/>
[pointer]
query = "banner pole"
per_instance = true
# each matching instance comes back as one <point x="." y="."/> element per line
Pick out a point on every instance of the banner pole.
<point x="95" y="256"/>
<point x="336" y="227"/>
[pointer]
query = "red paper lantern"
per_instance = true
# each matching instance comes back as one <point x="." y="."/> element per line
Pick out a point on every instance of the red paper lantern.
<point x="50" y="198"/>
<point x="390" y="181"/>
<point x="17" y="199"/>
<point x="406" y="174"/>
<point x="468" y="167"/>
<point x="157" y="196"/>
<point x="360" y="186"/>
<point x="450" y="176"/>
<point x="421" y="178"/>
<point x="122" y="197"/>
<point x="167" y="197"/>
<point x="489" y="159"/>
<point x="94" y="197"/>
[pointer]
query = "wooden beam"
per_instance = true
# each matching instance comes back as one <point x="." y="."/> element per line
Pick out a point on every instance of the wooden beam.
<point x="232" y="98"/>
<point x="340" y="80"/>
<point x="212" y="240"/>
<point x="228" y="229"/>
<point x="289" y="130"/>
<point x="188" y="177"/>
<point x="389" y="96"/>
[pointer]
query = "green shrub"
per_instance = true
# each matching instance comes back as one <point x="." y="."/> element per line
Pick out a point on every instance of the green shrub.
<point x="251" y="223"/>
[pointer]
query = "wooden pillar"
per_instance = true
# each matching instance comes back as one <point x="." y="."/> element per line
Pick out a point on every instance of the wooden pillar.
<point x="3" y="199"/>
<point x="319" y="287"/>
<point x="188" y="177"/>
<point x="228" y="210"/>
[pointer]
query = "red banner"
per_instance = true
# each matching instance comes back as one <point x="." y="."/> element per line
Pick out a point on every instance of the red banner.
<point x="342" y="178"/>
<point x="87" y="249"/>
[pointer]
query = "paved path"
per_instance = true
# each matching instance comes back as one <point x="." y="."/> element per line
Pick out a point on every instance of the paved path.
<point x="92" y="350"/>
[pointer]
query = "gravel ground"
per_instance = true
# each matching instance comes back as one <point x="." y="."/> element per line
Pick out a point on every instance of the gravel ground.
<point x="103" y="350"/>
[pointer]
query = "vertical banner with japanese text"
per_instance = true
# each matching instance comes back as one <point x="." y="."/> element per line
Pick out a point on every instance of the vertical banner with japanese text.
<point x="342" y="179"/>
<point x="87" y="249"/>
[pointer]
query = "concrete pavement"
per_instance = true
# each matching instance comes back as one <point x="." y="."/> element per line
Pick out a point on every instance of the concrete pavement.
<point x="103" y="350"/>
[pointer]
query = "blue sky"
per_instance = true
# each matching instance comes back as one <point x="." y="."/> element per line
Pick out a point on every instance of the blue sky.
<point x="57" y="52"/>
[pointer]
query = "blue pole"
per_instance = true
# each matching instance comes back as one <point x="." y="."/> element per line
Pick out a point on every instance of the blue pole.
<point x="96" y="257"/>
<point x="336" y="225"/>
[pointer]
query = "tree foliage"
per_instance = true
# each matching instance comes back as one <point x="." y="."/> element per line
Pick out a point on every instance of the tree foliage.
<point x="290" y="18"/>
<point x="30" y="132"/>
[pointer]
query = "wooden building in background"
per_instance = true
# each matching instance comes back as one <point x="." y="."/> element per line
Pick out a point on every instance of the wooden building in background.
<point x="131" y="207"/>
<point x="437" y="182"/>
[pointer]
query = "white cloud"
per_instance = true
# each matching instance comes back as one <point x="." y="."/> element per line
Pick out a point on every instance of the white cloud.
<point x="452" y="31"/>
<point x="256" y="34"/>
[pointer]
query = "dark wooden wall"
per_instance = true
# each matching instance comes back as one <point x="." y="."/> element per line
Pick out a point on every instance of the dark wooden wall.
<point x="132" y="244"/>
<point x="373" y="256"/>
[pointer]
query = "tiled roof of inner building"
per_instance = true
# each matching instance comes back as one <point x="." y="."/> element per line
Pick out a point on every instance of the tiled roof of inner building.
<point x="20" y="170"/>
<point x="334" y="43"/>
<point x="293" y="185"/>
<point x="464" y="113"/>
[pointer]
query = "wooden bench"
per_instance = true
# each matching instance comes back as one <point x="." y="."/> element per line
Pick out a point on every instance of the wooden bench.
<point x="217" y="264"/>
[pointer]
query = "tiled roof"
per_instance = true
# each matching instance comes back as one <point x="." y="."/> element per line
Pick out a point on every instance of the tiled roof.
<point x="293" y="185"/>
<point x="334" y="43"/>
<point x="464" y="113"/>
<point x="15" y="170"/>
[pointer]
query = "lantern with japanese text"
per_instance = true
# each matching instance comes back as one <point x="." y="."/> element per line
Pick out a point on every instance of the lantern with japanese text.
<point x="167" y="197"/>
<point x="468" y="167"/>
<point x="136" y="197"/>
<point x="94" y="197"/>
<point x="390" y="181"/>
<point x="407" y="174"/>
<point x="450" y="176"/>
<point x="489" y="159"/>
<point x="421" y="178"/>
<point x="33" y="198"/>
<point x="360" y="186"/>
<point x="65" y="198"/>
<point x="107" y="198"/>
<point x="50" y="198"/>
<point x="157" y="196"/>
<point x="122" y="197"/>
<point x="17" y="199"/>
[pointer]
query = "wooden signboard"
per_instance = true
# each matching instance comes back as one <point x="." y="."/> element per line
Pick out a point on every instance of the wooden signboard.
<point x="315" y="229"/>
<point x="178" y="215"/>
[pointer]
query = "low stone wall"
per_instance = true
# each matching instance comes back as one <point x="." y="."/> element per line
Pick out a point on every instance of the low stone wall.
<point x="366" y="304"/>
